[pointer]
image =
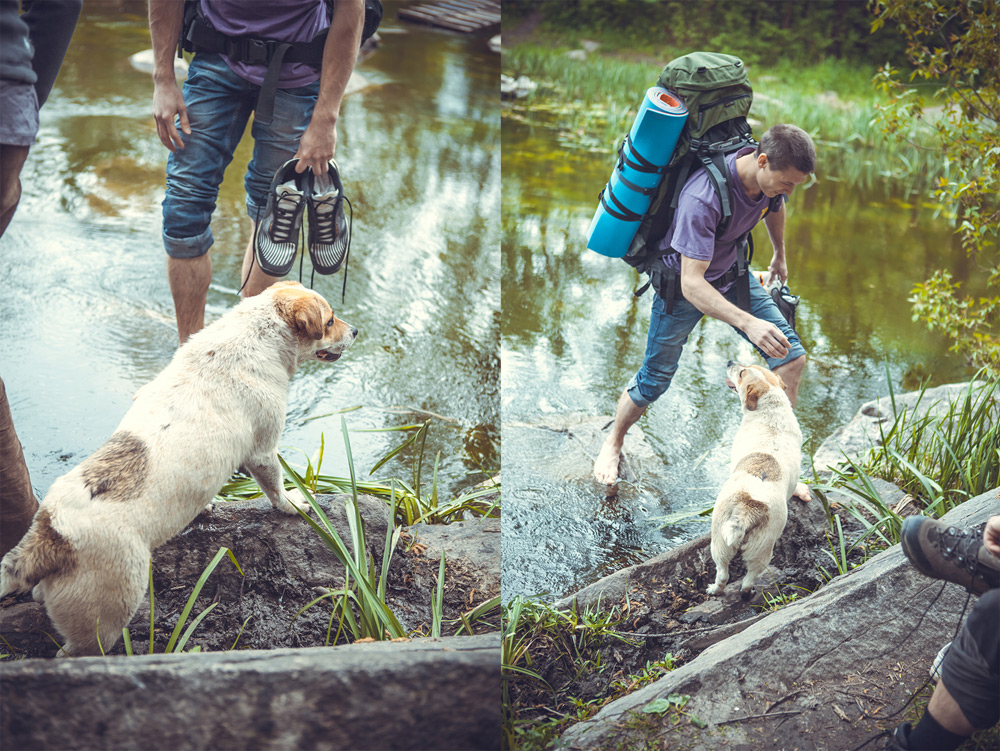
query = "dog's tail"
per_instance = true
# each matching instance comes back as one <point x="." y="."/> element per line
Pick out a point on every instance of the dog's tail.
<point x="747" y="515"/>
<point x="41" y="553"/>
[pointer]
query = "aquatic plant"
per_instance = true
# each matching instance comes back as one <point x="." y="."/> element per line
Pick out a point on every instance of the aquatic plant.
<point x="412" y="504"/>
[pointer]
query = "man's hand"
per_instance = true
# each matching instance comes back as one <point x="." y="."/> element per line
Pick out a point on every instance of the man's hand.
<point x="767" y="336"/>
<point x="991" y="535"/>
<point x="778" y="270"/>
<point x="168" y="102"/>
<point x="317" y="145"/>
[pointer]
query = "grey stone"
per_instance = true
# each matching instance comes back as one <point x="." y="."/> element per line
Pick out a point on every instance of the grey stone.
<point x="424" y="694"/>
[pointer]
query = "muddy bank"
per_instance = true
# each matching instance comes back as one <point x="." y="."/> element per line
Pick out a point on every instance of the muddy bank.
<point x="285" y="566"/>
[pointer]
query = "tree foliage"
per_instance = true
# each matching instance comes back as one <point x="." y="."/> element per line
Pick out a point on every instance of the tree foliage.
<point x="954" y="44"/>
<point x="758" y="32"/>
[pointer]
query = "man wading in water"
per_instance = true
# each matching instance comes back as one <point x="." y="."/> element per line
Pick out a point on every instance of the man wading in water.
<point x="784" y="159"/>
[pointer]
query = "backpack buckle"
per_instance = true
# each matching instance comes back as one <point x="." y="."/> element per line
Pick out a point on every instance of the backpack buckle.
<point x="255" y="51"/>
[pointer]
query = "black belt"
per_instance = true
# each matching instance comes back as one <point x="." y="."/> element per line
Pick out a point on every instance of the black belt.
<point x="201" y="37"/>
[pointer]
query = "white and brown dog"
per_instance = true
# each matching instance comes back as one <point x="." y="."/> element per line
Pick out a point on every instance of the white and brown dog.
<point x="751" y="510"/>
<point x="218" y="405"/>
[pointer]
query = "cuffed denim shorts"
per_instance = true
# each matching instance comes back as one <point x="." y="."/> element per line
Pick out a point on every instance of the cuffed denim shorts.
<point x="18" y="113"/>
<point x="669" y="332"/>
<point x="219" y="104"/>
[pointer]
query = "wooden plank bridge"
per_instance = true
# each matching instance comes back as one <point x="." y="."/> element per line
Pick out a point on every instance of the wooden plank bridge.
<point x="466" y="16"/>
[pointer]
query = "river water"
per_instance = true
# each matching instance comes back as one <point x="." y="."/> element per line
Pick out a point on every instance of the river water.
<point x="86" y="316"/>
<point x="572" y="337"/>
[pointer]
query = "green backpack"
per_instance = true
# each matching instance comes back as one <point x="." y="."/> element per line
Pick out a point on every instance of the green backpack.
<point x="716" y="91"/>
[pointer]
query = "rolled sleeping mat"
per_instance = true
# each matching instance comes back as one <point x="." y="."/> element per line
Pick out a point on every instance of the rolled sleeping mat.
<point x="644" y="154"/>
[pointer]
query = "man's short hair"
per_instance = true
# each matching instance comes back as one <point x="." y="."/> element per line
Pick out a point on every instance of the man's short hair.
<point x="788" y="146"/>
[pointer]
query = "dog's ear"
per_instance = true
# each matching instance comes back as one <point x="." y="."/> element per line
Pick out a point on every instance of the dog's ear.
<point x="751" y="395"/>
<point x="309" y="317"/>
<point x="302" y="311"/>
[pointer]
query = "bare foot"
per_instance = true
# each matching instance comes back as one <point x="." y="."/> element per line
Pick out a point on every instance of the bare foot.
<point x="606" y="464"/>
<point x="802" y="492"/>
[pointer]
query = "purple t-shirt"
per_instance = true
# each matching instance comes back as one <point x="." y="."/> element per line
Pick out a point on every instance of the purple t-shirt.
<point x="699" y="212"/>
<point x="281" y="20"/>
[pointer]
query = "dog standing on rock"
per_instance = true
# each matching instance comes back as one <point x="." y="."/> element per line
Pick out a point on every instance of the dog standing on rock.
<point x="751" y="509"/>
<point x="219" y="404"/>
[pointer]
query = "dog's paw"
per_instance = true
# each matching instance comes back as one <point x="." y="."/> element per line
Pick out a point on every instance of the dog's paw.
<point x="295" y="502"/>
<point x="802" y="492"/>
<point x="209" y="508"/>
<point x="715" y="589"/>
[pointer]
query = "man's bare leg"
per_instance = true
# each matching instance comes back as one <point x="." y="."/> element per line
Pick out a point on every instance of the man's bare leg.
<point x="189" y="279"/>
<point x="791" y="374"/>
<point x="258" y="281"/>
<point x="12" y="159"/>
<point x="627" y="413"/>
<point x="946" y="711"/>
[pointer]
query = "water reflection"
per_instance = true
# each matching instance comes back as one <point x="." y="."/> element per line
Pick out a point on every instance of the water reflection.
<point x="86" y="314"/>
<point x="572" y="336"/>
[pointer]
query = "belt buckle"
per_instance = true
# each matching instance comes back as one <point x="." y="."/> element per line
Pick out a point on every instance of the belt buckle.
<point x="257" y="51"/>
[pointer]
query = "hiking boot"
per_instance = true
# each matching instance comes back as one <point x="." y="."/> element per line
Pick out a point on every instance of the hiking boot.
<point x="898" y="739"/>
<point x="277" y="238"/>
<point x="329" y="232"/>
<point x="944" y="552"/>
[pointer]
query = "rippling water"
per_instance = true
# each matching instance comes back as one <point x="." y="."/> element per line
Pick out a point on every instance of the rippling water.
<point x="86" y="315"/>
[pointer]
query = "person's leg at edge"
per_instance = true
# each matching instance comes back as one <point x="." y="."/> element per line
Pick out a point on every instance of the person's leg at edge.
<point x="664" y="343"/>
<point x="12" y="159"/>
<point x="17" y="499"/>
<point x="968" y="696"/>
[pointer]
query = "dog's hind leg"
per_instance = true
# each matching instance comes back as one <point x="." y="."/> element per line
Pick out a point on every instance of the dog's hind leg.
<point x="99" y="594"/>
<point x="756" y="561"/>
<point x="722" y="555"/>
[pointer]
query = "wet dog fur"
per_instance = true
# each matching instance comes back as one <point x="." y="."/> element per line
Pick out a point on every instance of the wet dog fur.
<point x="751" y="509"/>
<point x="219" y="405"/>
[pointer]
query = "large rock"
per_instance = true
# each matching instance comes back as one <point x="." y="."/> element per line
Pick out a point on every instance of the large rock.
<point x="425" y="694"/>
<point x="822" y="673"/>
<point x="864" y="432"/>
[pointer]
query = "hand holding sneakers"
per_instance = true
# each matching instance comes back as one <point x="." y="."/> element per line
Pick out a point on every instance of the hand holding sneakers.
<point x="290" y="196"/>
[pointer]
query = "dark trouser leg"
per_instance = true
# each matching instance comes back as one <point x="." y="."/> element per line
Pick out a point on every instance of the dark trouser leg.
<point x="17" y="500"/>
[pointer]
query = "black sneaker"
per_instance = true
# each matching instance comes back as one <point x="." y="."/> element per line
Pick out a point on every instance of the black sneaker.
<point x="329" y="231"/>
<point x="898" y="739"/>
<point x="944" y="552"/>
<point x="277" y="238"/>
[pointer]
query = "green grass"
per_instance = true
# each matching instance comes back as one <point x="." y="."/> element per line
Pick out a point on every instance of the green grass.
<point x="941" y="460"/>
<point x="566" y="644"/>
<point x="592" y="105"/>
<point x="412" y="502"/>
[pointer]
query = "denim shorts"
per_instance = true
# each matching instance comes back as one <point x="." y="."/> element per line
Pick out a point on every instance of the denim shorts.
<point x="219" y="104"/>
<point x="18" y="113"/>
<point x="669" y="332"/>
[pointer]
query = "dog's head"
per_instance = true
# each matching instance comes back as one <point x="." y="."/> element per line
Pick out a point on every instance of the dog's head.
<point x="320" y="334"/>
<point x="752" y="382"/>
